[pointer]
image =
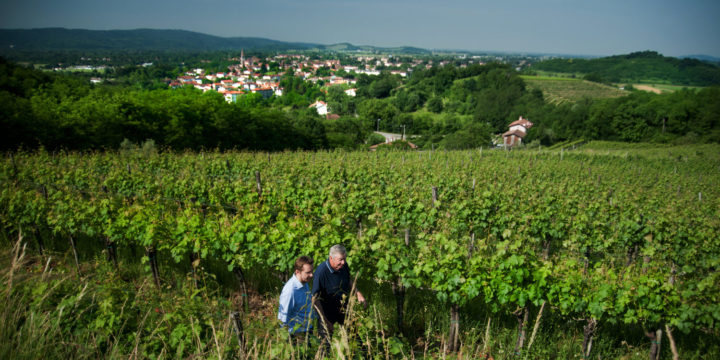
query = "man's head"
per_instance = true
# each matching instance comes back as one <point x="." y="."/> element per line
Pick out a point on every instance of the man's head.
<point x="304" y="269"/>
<point x="337" y="257"/>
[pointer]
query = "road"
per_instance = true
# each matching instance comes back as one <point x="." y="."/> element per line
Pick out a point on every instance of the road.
<point x="389" y="136"/>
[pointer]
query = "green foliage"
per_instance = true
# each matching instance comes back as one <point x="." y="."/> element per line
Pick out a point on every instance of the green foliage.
<point x="435" y="104"/>
<point x="346" y="132"/>
<point x="471" y="136"/>
<point x="374" y="139"/>
<point x="372" y="110"/>
<point x="339" y="102"/>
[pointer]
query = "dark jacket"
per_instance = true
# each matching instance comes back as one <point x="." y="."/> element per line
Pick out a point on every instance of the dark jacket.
<point x="331" y="288"/>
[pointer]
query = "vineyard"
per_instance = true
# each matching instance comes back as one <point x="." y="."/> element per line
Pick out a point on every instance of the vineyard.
<point x="628" y="240"/>
<point x="558" y="90"/>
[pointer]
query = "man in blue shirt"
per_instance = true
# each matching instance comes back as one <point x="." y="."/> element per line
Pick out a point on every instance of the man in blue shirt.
<point x="295" y="310"/>
<point x="331" y="289"/>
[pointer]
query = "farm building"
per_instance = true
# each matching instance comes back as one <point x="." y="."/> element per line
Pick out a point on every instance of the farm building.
<point x="516" y="133"/>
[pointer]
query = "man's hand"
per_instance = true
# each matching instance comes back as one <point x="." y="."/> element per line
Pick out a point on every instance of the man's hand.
<point x="361" y="299"/>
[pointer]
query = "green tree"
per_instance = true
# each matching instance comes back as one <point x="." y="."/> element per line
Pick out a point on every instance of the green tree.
<point x="373" y="109"/>
<point x="472" y="135"/>
<point x="435" y="104"/>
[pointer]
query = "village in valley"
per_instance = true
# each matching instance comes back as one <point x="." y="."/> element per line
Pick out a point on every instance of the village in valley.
<point x="258" y="76"/>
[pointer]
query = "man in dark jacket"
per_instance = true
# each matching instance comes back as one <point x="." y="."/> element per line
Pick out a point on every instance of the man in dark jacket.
<point x="331" y="289"/>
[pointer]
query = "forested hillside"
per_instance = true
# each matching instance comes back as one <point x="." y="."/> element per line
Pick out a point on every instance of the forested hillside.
<point x="444" y="106"/>
<point x="638" y="67"/>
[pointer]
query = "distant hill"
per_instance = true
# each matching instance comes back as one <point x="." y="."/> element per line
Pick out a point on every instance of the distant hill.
<point x="57" y="39"/>
<point x="706" y="58"/>
<point x="351" y="47"/>
<point x="61" y="39"/>
<point x="645" y="66"/>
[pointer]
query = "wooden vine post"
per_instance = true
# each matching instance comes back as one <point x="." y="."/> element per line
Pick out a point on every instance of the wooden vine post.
<point x="239" y="333"/>
<point x="588" y="332"/>
<point x="36" y="231"/>
<point x="240" y="276"/>
<point x="75" y="253"/>
<point x="151" y="253"/>
<point x="399" y="291"/>
<point x="194" y="263"/>
<point x="655" y="340"/>
<point x="14" y="165"/>
<point x="41" y="248"/>
<point x="258" y="184"/>
<point x="454" y="327"/>
<point x="668" y="331"/>
<point x="522" y="318"/>
<point x="111" y="252"/>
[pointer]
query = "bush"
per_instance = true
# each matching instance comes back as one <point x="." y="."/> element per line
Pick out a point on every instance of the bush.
<point x="374" y="139"/>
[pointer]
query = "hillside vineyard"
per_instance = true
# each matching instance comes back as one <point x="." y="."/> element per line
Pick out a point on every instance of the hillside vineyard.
<point x="608" y="239"/>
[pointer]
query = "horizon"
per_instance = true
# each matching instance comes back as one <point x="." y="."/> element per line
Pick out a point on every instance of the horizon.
<point x="555" y="27"/>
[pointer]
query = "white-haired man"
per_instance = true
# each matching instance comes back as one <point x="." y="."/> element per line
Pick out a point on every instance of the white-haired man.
<point x="331" y="288"/>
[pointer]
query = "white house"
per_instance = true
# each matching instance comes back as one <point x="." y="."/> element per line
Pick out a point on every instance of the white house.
<point x="232" y="96"/>
<point x="320" y="106"/>
<point x="351" y="92"/>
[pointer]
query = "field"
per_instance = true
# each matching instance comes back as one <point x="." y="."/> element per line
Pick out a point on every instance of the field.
<point x="606" y="251"/>
<point x="663" y="88"/>
<point x="559" y="90"/>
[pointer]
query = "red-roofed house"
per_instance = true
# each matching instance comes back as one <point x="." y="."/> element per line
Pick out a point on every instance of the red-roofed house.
<point x="266" y="92"/>
<point x="408" y="144"/>
<point x="516" y="133"/>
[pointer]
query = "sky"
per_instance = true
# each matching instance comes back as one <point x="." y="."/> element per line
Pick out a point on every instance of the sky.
<point x="577" y="27"/>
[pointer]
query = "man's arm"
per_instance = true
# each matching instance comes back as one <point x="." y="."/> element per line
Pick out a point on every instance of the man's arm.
<point x="360" y="297"/>
<point x="286" y="303"/>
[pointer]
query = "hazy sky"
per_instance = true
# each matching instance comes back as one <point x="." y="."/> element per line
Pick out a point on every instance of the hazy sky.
<point x="589" y="27"/>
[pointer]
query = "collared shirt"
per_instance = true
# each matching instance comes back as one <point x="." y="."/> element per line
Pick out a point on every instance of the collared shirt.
<point x="332" y="289"/>
<point x="295" y="310"/>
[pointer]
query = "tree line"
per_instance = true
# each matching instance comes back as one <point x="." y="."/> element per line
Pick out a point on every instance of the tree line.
<point x="638" y="67"/>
